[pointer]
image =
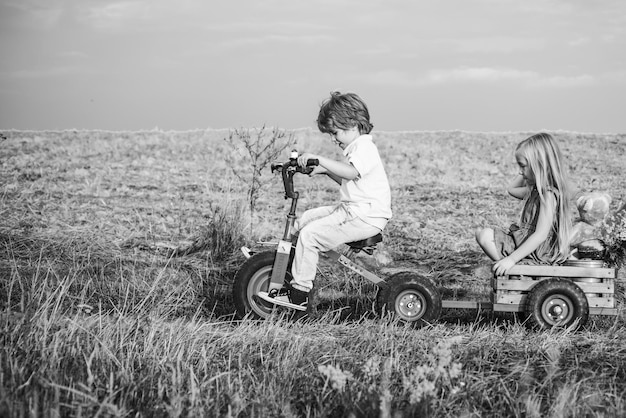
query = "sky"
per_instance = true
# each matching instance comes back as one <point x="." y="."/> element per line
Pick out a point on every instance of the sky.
<point x="474" y="65"/>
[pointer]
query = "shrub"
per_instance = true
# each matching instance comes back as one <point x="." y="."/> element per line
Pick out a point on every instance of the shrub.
<point x="254" y="151"/>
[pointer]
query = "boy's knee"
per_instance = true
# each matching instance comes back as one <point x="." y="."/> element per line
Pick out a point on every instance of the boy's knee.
<point x="307" y="236"/>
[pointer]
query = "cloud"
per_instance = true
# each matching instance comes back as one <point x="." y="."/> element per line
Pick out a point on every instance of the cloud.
<point x="43" y="73"/>
<point x="274" y="38"/>
<point x="115" y="15"/>
<point x="443" y="76"/>
<point x="483" y="75"/>
<point x="478" y="74"/>
<point x="135" y="15"/>
<point x="494" y="44"/>
<point x="562" y="81"/>
<point x="73" y="54"/>
<point x="34" y="13"/>
<point x="580" y="41"/>
<point x="615" y="78"/>
<point x="265" y="25"/>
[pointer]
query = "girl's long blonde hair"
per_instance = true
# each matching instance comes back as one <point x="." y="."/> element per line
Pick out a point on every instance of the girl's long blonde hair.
<point x="546" y="163"/>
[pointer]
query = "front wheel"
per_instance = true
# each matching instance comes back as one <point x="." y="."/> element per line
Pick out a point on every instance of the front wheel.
<point x="255" y="276"/>
<point x="410" y="297"/>
<point x="557" y="302"/>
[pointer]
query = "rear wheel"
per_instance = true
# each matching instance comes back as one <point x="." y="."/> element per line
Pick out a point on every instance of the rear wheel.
<point x="557" y="303"/>
<point x="410" y="297"/>
<point x="254" y="276"/>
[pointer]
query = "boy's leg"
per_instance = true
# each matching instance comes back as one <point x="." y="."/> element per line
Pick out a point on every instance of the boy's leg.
<point x="297" y="297"/>
<point x="313" y="214"/>
<point x="324" y="234"/>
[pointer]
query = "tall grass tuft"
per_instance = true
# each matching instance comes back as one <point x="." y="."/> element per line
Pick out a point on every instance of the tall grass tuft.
<point x="222" y="236"/>
<point x="226" y="230"/>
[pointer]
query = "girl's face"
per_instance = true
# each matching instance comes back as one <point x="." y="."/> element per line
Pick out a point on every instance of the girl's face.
<point x="524" y="168"/>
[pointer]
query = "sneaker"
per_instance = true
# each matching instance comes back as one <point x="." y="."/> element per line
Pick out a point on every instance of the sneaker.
<point x="247" y="252"/>
<point x="286" y="296"/>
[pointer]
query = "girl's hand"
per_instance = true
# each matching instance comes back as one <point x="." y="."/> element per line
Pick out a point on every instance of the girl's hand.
<point x="503" y="266"/>
<point x="519" y="188"/>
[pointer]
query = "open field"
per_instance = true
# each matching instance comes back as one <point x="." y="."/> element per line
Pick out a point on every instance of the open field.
<point x="96" y="319"/>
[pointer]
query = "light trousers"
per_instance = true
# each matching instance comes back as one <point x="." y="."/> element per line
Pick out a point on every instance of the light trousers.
<point x="323" y="229"/>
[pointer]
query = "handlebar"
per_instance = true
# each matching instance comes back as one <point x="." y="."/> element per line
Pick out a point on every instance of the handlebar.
<point x="288" y="169"/>
<point x="294" y="163"/>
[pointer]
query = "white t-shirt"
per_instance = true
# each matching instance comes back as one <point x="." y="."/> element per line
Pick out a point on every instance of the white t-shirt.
<point x="368" y="195"/>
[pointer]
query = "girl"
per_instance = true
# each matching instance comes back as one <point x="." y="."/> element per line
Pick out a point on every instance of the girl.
<point x="544" y="229"/>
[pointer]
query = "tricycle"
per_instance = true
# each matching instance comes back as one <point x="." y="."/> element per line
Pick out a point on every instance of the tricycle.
<point x="548" y="295"/>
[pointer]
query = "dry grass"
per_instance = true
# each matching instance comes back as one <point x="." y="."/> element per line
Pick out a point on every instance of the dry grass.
<point x="98" y="319"/>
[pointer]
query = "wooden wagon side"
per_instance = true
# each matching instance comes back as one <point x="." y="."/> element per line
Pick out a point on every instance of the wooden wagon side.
<point x="510" y="292"/>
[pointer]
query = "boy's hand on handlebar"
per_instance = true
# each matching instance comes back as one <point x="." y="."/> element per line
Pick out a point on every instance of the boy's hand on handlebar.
<point x="310" y="162"/>
<point x="304" y="158"/>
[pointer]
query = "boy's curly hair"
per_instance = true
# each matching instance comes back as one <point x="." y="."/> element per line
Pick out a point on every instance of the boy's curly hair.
<point x="344" y="111"/>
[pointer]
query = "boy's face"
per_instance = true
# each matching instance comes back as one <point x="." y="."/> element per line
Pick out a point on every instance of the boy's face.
<point x="343" y="137"/>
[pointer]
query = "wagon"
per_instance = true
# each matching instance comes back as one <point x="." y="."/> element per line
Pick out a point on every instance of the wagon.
<point x="550" y="295"/>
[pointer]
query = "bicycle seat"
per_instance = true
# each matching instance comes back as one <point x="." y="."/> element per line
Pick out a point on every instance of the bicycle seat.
<point x="364" y="243"/>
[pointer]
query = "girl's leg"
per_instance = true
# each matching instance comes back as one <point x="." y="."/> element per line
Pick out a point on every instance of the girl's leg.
<point x="324" y="234"/>
<point x="486" y="239"/>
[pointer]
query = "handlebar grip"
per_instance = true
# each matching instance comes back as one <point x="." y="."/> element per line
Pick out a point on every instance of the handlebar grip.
<point x="314" y="162"/>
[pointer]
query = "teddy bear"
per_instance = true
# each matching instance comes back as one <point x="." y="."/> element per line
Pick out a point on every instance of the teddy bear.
<point x="587" y="230"/>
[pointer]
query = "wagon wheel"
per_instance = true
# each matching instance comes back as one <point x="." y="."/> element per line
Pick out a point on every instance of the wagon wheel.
<point x="557" y="302"/>
<point x="412" y="298"/>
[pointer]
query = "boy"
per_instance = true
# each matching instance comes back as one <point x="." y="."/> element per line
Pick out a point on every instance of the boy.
<point x="365" y="204"/>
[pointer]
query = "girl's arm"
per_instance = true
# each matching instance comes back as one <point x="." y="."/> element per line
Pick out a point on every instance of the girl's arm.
<point x="336" y="170"/>
<point x="518" y="187"/>
<point x="547" y="211"/>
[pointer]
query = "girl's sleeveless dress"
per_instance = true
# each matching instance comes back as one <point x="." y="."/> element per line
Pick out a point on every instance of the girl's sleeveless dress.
<point x="508" y="241"/>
